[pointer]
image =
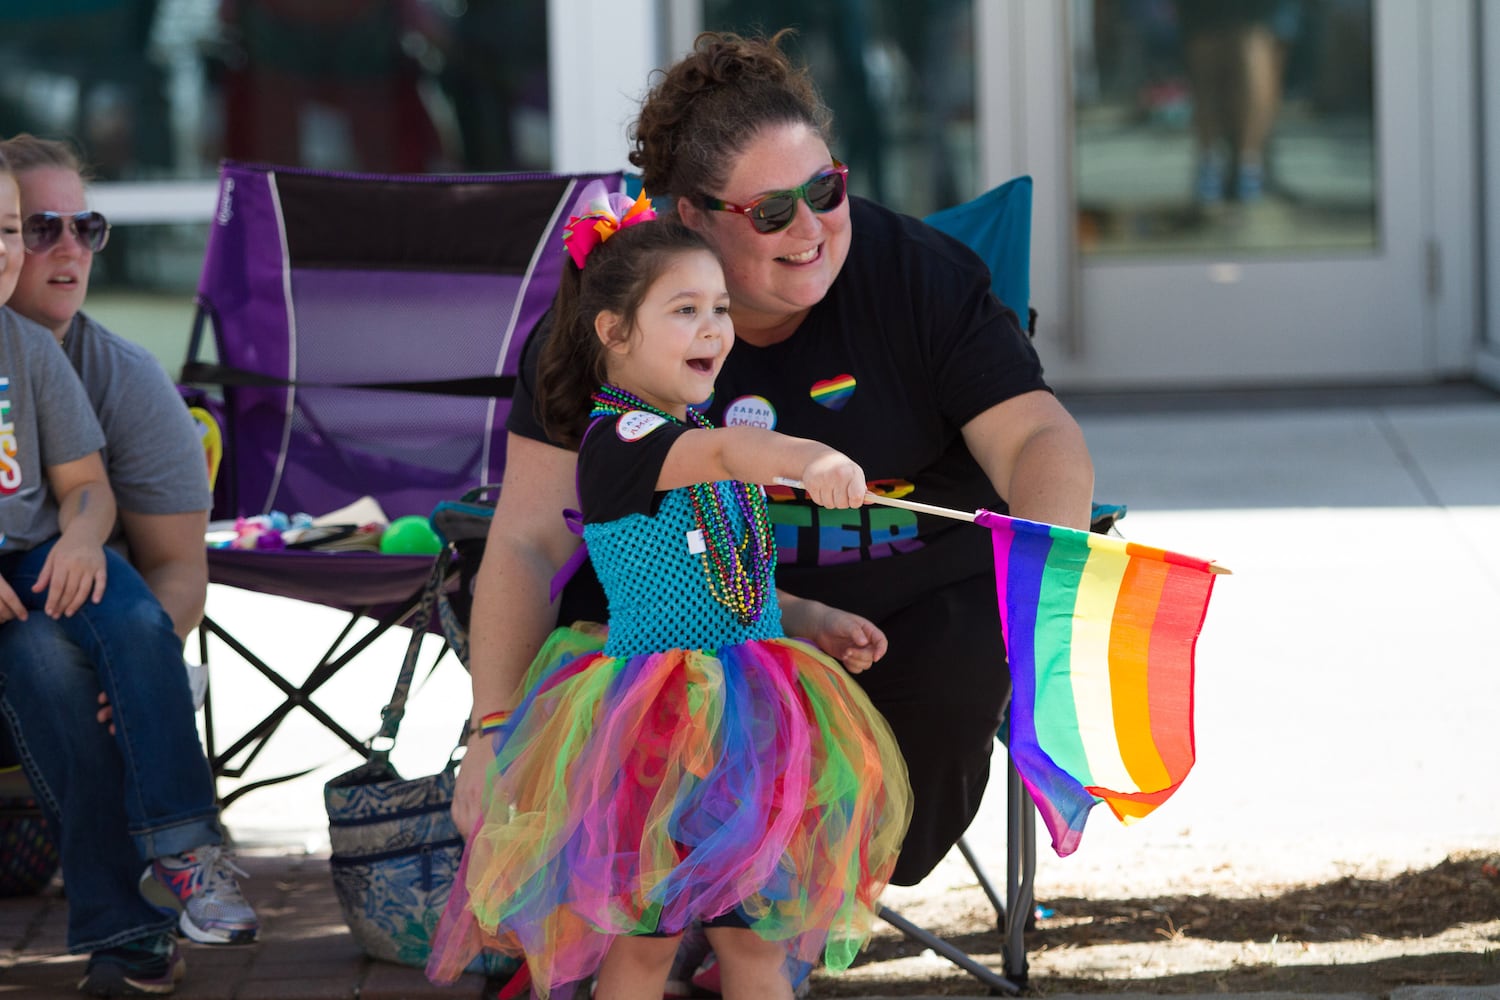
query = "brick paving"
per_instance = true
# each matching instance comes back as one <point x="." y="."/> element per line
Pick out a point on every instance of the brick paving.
<point x="305" y="951"/>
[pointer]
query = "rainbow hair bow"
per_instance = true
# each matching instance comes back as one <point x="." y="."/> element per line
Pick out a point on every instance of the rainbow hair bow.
<point x="599" y="214"/>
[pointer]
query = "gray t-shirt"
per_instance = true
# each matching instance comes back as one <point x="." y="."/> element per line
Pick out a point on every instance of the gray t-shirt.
<point x="154" y="454"/>
<point x="45" y="420"/>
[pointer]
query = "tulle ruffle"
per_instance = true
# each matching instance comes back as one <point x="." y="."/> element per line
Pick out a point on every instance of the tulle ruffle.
<point x="637" y="795"/>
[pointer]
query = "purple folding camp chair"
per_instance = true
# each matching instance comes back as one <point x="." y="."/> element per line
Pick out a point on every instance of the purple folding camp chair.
<point x="367" y="332"/>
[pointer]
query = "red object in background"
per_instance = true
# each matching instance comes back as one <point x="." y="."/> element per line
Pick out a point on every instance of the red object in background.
<point x="292" y="58"/>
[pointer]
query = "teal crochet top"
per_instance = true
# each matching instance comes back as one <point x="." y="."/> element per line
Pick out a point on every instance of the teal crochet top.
<point x="658" y="594"/>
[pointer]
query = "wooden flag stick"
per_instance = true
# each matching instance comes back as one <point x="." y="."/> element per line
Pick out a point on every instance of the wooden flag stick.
<point x="927" y="508"/>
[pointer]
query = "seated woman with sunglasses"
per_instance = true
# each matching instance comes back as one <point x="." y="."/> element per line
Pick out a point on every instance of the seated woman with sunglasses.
<point x="140" y="837"/>
<point x="860" y="328"/>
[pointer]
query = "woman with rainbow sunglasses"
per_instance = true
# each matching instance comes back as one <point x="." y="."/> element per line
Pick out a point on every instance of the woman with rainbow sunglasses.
<point x="860" y="328"/>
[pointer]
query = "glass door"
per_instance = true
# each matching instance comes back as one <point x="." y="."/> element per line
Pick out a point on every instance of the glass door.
<point x="1250" y="191"/>
<point x="1223" y="128"/>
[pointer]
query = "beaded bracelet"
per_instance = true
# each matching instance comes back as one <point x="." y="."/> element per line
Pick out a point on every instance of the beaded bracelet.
<point x="494" y="721"/>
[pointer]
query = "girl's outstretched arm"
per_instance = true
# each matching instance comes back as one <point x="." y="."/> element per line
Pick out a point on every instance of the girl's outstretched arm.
<point x="754" y="455"/>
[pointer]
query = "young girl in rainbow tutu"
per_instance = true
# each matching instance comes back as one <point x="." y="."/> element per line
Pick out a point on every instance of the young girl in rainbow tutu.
<point x="690" y="762"/>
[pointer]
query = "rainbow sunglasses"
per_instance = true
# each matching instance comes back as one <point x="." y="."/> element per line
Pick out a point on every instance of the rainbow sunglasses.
<point x="774" y="211"/>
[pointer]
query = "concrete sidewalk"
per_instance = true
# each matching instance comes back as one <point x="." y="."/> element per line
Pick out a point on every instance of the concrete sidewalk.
<point x="1347" y="684"/>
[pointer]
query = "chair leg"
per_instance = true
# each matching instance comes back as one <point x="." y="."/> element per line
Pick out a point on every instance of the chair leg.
<point x="250" y="744"/>
<point x="1020" y="874"/>
<point x="208" y="701"/>
<point x="921" y="935"/>
<point x="984" y="882"/>
<point x="1012" y="913"/>
<point x="294" y="697"/>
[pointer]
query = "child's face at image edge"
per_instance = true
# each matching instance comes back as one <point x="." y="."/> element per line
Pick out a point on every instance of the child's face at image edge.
<point x="10" y="236"/>
<point x="682" y="334"/>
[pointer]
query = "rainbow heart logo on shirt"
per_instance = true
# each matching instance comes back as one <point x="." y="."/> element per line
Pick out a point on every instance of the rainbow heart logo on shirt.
<point x="833" y="392"/>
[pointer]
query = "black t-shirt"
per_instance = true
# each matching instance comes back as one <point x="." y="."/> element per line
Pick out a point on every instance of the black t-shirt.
<point x="907" y="346"/>
<point x="618" y="468"/>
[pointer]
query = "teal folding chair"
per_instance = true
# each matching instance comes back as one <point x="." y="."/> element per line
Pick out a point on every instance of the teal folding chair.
<point x="997" y="226"/>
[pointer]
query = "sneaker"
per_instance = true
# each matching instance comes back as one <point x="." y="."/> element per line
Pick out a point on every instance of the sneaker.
<point x="1250" y="182"/>
<point x="146" y="966"/>
<point x="200" y="886"/>
<point x="1208" y="180"/>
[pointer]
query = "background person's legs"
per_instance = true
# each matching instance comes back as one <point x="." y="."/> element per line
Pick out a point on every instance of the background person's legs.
<point x="49" y="697"/>
<point x="1259" y="59"/>
<point x="1235" y="71"/>
<point x="132" y="655"/>
<point x="136" y="660"/>
<point x="1209" y="56"/>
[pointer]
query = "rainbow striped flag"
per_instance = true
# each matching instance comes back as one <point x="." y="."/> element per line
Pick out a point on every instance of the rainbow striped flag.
<point x="1100" y="634"/>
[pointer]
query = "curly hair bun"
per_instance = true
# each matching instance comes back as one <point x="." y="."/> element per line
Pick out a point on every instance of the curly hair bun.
<point x="707" y="106"/>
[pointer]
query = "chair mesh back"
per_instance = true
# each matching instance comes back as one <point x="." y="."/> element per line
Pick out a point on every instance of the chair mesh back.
<point x="997" y="226"/>
<point x="327" y="284"/>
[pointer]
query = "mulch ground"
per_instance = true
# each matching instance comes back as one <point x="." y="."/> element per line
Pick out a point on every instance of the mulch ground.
<point x="1439" y="926"/>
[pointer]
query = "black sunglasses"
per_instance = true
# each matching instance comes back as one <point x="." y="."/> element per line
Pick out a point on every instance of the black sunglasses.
<point x="41" y="231"/>
<point x="774" y="211"/>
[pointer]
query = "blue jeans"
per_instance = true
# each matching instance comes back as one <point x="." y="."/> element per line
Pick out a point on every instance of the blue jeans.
<point x="115" y="801"/>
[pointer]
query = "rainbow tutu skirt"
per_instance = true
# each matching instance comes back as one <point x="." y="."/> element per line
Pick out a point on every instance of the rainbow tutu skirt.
<point x="638" y="795"/>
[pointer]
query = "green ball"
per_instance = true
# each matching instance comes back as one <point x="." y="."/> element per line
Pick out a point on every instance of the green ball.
<point x="411" y="535"/>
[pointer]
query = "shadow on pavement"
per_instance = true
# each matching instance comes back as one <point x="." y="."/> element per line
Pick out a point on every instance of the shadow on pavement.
<point x="1435" y="927"/>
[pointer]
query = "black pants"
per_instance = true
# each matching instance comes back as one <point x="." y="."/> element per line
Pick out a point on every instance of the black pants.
<point x="943" y="686"/>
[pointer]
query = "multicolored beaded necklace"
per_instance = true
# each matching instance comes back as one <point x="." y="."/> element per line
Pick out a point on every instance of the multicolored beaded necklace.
<point x="738" y="576"/>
